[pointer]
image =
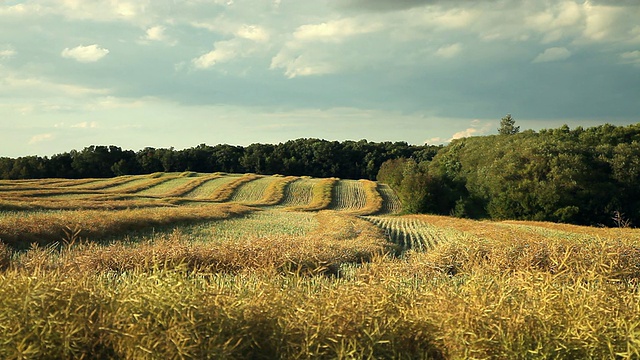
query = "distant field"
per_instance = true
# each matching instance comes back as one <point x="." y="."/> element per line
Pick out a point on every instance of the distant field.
<point x="237" y="266"/>
<point x="347" y="195"/>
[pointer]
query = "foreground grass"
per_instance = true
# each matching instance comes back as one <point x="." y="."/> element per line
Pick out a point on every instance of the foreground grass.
<point x="178" y="313"/>
<point x="492" y="291"/>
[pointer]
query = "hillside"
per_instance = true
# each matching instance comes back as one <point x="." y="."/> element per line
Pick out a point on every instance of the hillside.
<point x="234" y="266"/>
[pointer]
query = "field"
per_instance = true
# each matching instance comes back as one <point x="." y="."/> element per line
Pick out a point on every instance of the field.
<point x="233" y="266"/>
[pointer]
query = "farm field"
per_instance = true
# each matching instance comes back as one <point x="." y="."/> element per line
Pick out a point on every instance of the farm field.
<point x="236" y="266"/>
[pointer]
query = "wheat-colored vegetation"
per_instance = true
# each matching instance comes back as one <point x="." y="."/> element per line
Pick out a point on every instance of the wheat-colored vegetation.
<point x="252" y="191"/>
<point x="275" y="191"/>
<point x="321" y="196"/>
<point x="390" y="202"/>
<point x="22" y="229"/>
<point x="223" y="280"/>
<point x="224" y="192"/>
<point x="191" y="185"/>
<point x="209" y="187"/>
<point x="299" y="192"/>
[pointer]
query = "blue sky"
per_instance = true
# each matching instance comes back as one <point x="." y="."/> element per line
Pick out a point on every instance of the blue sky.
<point x="178" y="73"/>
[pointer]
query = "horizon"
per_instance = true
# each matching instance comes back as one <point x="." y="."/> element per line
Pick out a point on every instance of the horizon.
<point x="306" y="138"/>
<point x="179" y="73"/>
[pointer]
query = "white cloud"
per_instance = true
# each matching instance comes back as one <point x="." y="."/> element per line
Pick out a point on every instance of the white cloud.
<point x="100" y="10"/>
<point x="557" y="21"/>
<point x="37" y="86"/>
<point x="449" y="51"/>
<point x="223" y="51"/>
<point x="476" y="128"/>
<point x="335" y="30"/>
<point x="253" y="32"/>
<point x="435" y="141"/>
<point x="302" y="65"/>
<point x="553" y="54"/>
<point x="155" y="33"/>
<point x="85" y="125"/>
<point x="631" y="57"/>
<point x="465" y="133"/>
<point x="40" y="138"/>
<point x="7" y="53"/>
<point x="85" y="54"/>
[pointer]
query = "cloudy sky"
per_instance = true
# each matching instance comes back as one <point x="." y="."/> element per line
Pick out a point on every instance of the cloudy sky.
<point x="162" y="73"/>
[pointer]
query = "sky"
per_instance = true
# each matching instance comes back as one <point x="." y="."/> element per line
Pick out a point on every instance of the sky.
<point x="179" y="73"/>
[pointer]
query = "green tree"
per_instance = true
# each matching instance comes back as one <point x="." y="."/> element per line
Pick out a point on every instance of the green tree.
<point x="507" y="126"/>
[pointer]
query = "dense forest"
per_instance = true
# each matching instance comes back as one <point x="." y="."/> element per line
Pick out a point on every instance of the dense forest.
<point x="313" y="157"/>
<point x="581" y="176"/>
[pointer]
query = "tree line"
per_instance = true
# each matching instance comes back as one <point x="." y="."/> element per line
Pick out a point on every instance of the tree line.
<point x="314" y="157"/>
<point x="582" y="176"/>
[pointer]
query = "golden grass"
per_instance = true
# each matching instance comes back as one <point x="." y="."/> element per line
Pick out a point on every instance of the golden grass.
<point x="507" y="290"/>
<point x="339" y="240"/>
<point x="106" y="203"/>
<point x="299" y="192"/>
<point x="505" y="249"/>
<point x="5" y="256"/>
<point x="20" y="230"/>
<point x="274" y="193"/>
<point x="322" y="192"/>
<point x="155" y="181"/>
<point x="190" y="186"/>
<point x="477" y="295"/>
<point x="105" y="183"/>
<point x="373" y="199"/>
<point x="224" y="192"/>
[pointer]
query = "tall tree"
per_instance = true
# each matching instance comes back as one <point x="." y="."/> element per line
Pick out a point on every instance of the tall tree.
<point x="507" y="126"/>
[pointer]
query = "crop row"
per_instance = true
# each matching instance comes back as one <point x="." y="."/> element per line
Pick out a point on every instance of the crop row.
<point x="408" y="233"/>
<point x="363" y="197"/>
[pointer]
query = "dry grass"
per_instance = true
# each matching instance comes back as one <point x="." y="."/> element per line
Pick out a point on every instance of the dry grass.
<point x="20" y="230"/>
<point x="373" y="199"/>
<point x="5" y="256"/>
<point x="191" y="185"/>
<point x="339" y="240"/>
<point x="322" y="194"/>
<point x="274" y="193"/>
<point x="224" y="192"/>
<point x="327" y="289"/>
<point x="505" y="249"/>
<point x="142" y="185"/>
<point x="105" y="203"/>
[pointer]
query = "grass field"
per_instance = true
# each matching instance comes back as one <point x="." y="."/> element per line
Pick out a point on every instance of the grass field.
<point x="230" y="266"/>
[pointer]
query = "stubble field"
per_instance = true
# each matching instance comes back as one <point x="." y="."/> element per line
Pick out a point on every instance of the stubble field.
<point x="188" y="265"/>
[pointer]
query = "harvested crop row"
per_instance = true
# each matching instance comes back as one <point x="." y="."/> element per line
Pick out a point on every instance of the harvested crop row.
<point x="78" y="204"/>
<point x="165" y="187"/>
<point x="299" y="192"/>
<point x="20" y="230"/>
<point x="140" y="185"/>
<point x="321" y="199"/>
<point x="409" y="233"/>
<point x="252" y="191"/>
<point x="191" y="185"/>
<point x="334" y="239"/>
<point x="43" y="193"/>
<point x="503" y="248"/>
<point x="348" y="195"/>
<point x="390" y="201"/>
<point x="103" y="184"/>
<point x="373" y="200"/>
<point x="224" y="192"/>
<point x="274" y="193"/>
<point x="209" y="187"/>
